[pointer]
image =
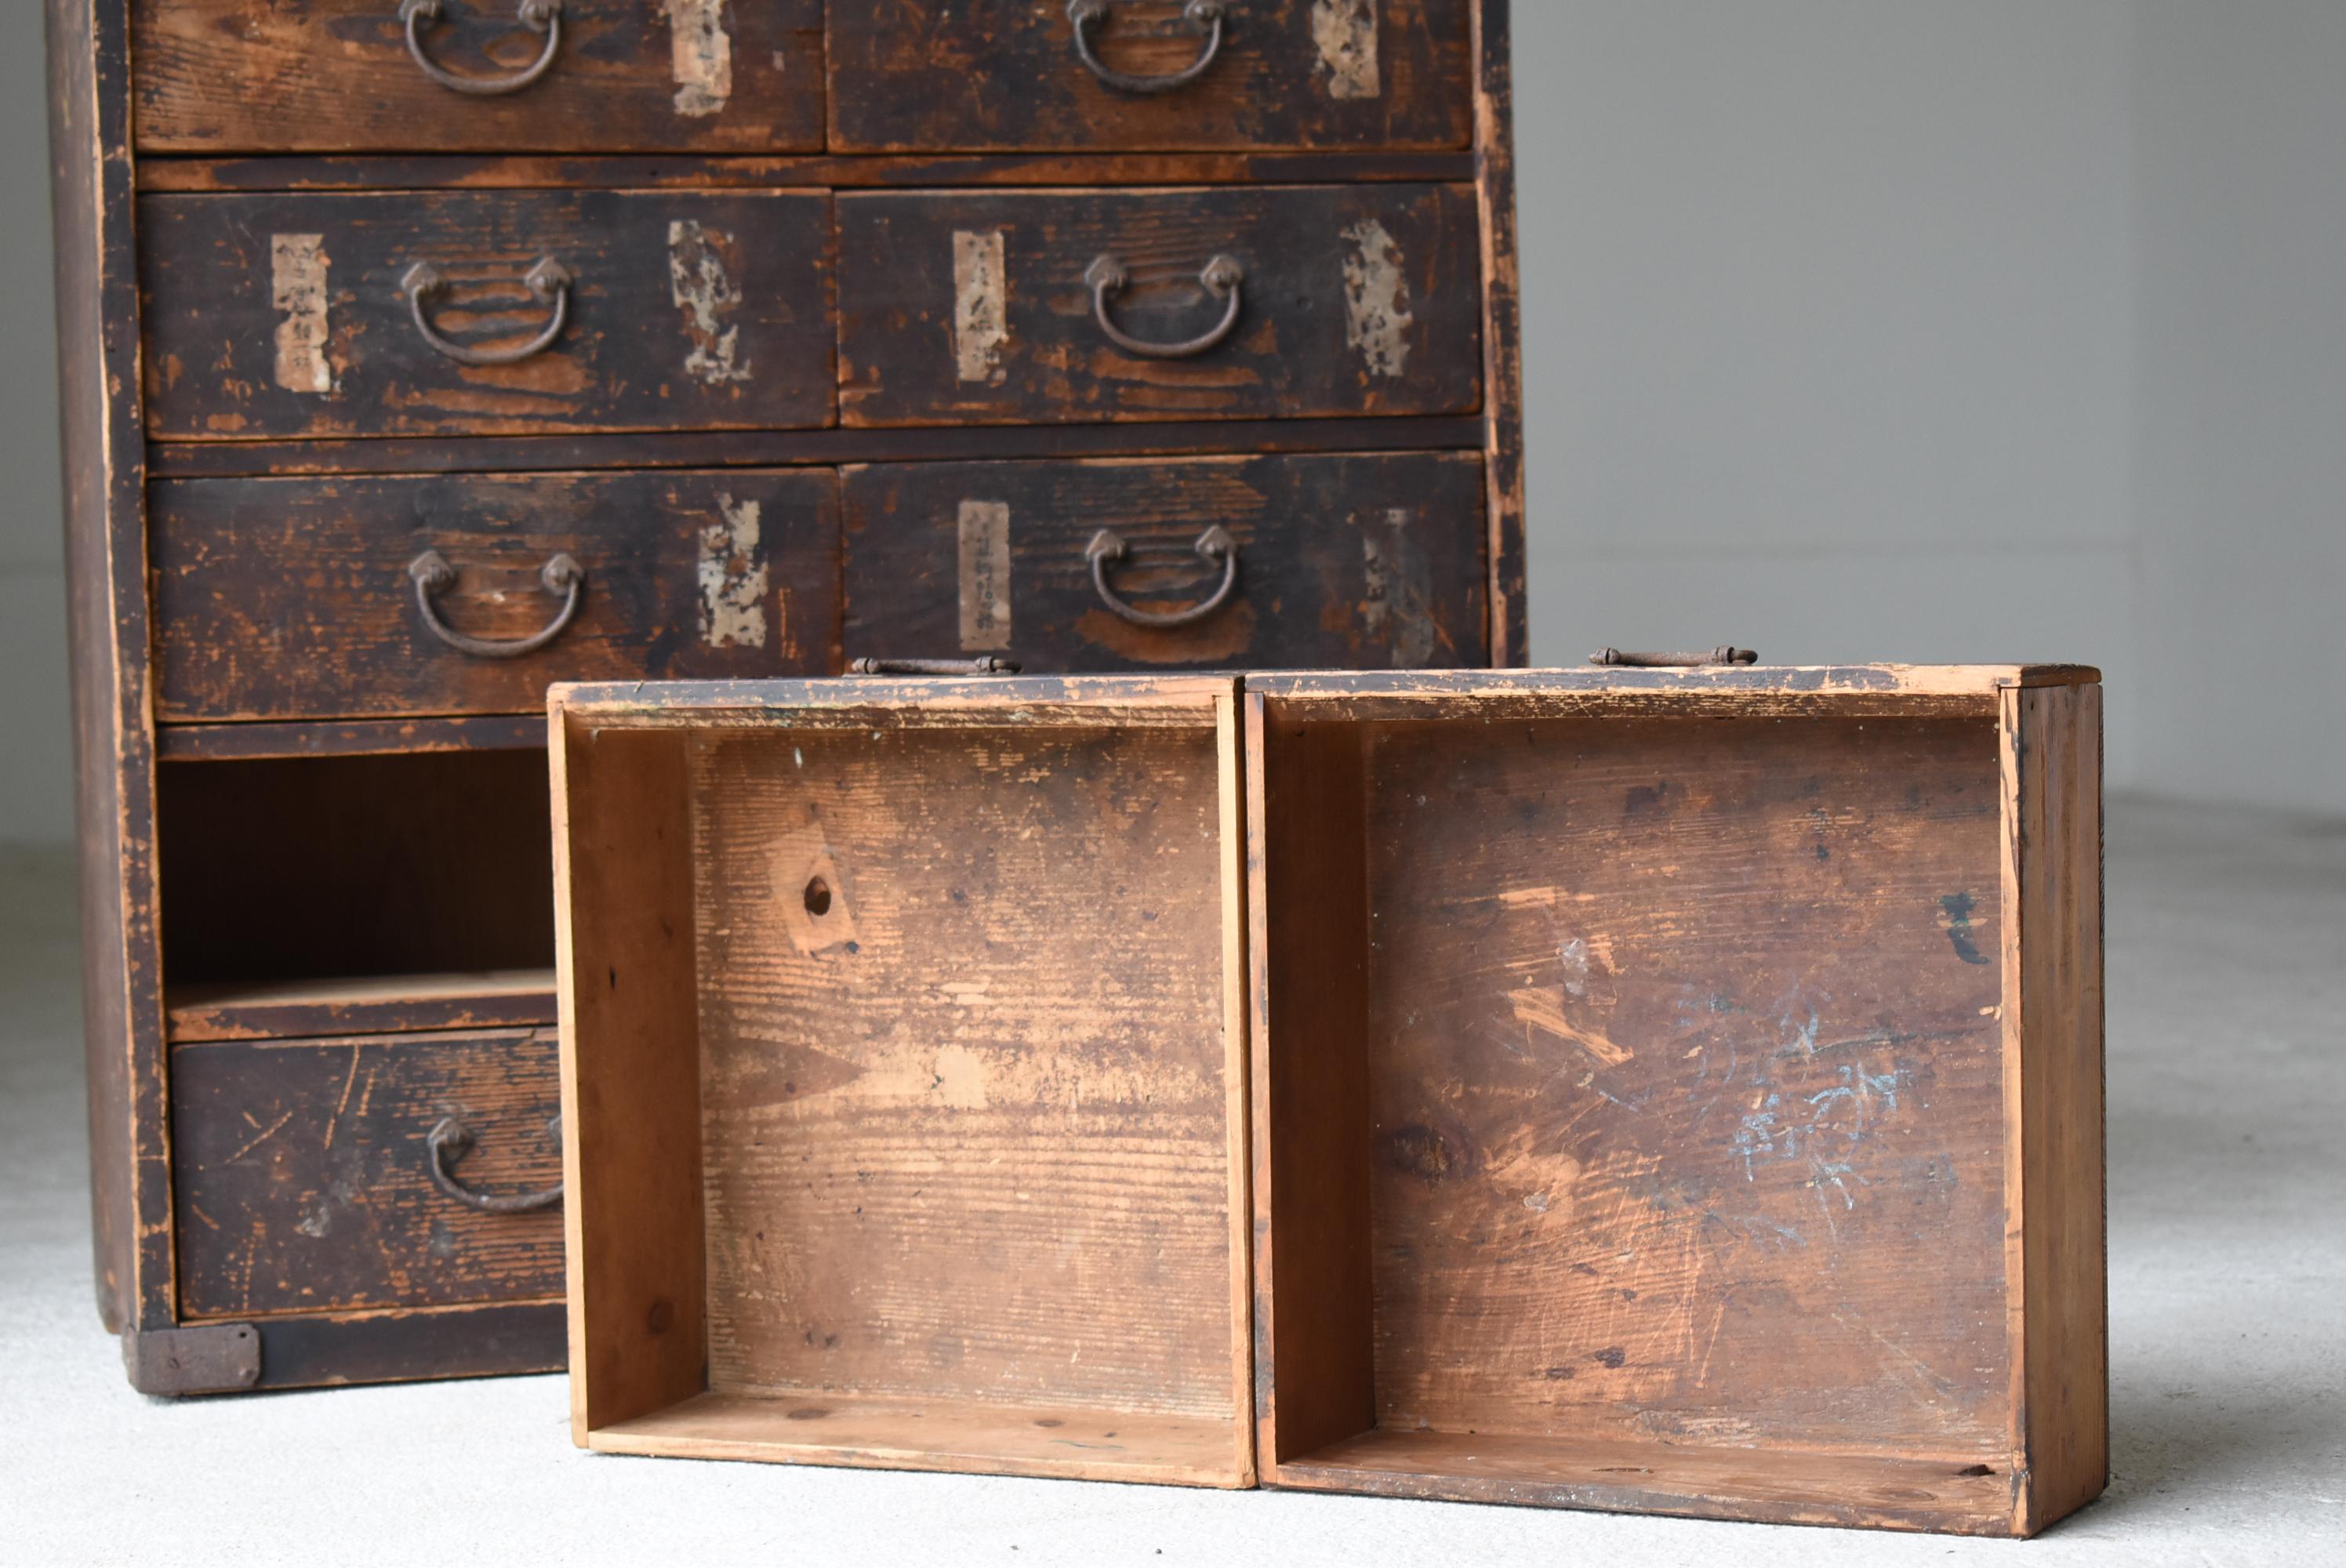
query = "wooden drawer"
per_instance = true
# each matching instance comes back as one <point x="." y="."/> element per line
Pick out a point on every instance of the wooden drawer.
<point x="619" y="76"/>
<point x="933" y="75"/>
<point x="367" y="315"/>
<point x="906" y="1052"/>
<point x="303" y="1172"/>
<point x="1347" y="561"/>
<point x="297" y="598"/>
<point x="1003" y="307"/>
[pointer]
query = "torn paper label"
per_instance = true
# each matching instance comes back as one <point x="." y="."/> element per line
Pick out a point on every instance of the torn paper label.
<point x="732" y="576"/>
<point x="297" y="287"/>
<point x="981" y="305"/>
<point x="1376" y="301"/>
<point x="1345" y="33"/>
<point x="703" y="269"/>
<point x="701" y="56"/>
<point x="985" y="576"/>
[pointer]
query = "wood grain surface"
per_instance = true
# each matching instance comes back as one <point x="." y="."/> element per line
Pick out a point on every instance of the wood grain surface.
<point x="688" y="573"/>
<point x="287" y="315"/>
<point x="1343" y="561"/>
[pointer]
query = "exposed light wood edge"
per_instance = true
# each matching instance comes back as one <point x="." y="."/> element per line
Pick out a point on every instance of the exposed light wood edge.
<point x="1262" y="1355"/>
<point x="102" y="425"/>
<point x="1774" y="1486"/>
<point x="1502" y="379"/>
<point x="623" y="904"/>
<point x="880" y="703"/>
<point x="958" y="1440"/>
<point x="390" y="456"/>
<point x="1229" y="758"/>
<point x="375" y="1005"/>
<point x="1833" y="681"/>
<point x="2056" y="1273"/>
<point x="472" y="171"/>
<point x="350" y="737"/>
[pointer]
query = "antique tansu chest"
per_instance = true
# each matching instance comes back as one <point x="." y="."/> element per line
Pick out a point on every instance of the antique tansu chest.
<point x="1665" y="1090"/>
<point x="418" y="353"/>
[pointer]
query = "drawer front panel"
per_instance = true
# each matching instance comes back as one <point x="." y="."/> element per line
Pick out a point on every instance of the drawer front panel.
<point x="1030" y="306"/>
<point x="341" y="76"/>
<point x="495" y="313"/>
<point x="302" y="1174"/>
<point x="296" y="598"/>
<point x="1352" y="562"/>
<point x="936" y="75"/>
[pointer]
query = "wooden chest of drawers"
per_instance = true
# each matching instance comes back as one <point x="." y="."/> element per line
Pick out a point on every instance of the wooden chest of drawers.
<point x="417" y="354"/>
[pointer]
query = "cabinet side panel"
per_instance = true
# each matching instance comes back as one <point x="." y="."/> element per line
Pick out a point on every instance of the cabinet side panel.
<point x="2065" y="1296"/>
<point x="98" y="376"/>
<point x="1502" y="370"/>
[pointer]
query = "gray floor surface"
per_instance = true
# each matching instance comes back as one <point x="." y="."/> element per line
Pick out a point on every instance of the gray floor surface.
<point x="2228" y="1316"/>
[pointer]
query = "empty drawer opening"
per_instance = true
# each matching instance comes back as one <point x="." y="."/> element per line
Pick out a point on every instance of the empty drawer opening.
<point x="1635" y="1108"/>
<point x="312" y="895"/>
<point x="906" y="1103"/>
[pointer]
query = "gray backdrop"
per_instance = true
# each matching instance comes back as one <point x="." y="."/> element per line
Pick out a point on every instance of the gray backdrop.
<point x="1916" y="330"/>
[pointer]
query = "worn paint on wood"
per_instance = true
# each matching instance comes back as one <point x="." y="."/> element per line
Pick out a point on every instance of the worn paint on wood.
<point x="710" y="574"/>
<point x="1342" y="561"/>
<point x="1342" y="286"/>
<point x="684" y="311"/>
<point x="931" y="75"/>
<point x="645" y="75"/>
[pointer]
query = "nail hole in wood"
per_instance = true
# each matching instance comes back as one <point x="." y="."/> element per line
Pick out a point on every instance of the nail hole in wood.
<point x="818" y="897"/>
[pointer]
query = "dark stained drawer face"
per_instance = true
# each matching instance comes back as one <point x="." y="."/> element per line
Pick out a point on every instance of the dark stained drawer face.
<point x="1236" y="302"/>
<point x="473" y="312"/>
<point x="595" y="76"/>
<point x="299" y="598"/>
<point x="940" y="75"/>
<point x="1366" y="562"/>
<point x="303" y="1172"/>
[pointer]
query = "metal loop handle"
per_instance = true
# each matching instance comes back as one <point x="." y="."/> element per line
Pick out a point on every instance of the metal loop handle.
<point x="988" y="664"/>
<point x="548" y="282"/>
<point x="1222" y="279"/>
<point x="561" y="576"/>
<point x="537" y="16"/>
<point x="1718" y="656"/>
<point x="1214" y="545"/>
<point x="1206" y="16"/>
<point x="451" y="1141"/>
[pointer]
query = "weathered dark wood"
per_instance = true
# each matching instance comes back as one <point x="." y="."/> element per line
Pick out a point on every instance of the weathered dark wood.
<point x="398" y="1346"/>
<point x="628" y="76"/>
<point x="287" y="315"/>
<point x="1343" y="561"/>
<point x="973" y="308"/>
<point x="686" y="574"/>
<point x="1502" y="337"/>
<point x="107" y="627"/>
<point x="303" y="1170"/>
<point x="391" y="1004"/>
<point x="841" y="172"/>
<point x="788" y="448"/>
<point x="341" y="867"/>
<point x="932" y="76"/>
<point x="358" y="737"/>
<point x="201" y="1358"/>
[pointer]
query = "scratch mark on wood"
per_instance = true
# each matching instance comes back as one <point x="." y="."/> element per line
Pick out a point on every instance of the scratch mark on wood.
<point x="1542" y="1008"/>
<point x="1345" y="34"/>
<point x="981" y="305"/>
<point x="985" y="576"/>
<point x="703" y="264"/>
<point x="298" y="267"/>
<point x="352" y="1077"/>
<point x="732" y="576"/>
<point x="265" y="1134"/>
<point x="1376" y="301"/>
<point x="701" y="56"/>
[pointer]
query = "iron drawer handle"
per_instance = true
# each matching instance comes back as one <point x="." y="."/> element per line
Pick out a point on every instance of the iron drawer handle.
<point x="1205" y="15"/>
<point x="549" y="282"/>
<point x="451" y="1141"/>
<point x="1214" y="545"/>
<point x="1673" y="660"/>
<point x="1222" y="279"/>
<point x="560" y="575"/>
<point x="986" y="663"/>
<point x="537" y="16"/>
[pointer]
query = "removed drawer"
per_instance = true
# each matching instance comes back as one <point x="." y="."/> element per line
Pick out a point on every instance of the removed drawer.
<point x="477" y="75"/>
<point x="1356" y="560"/>
<point x="384" y="1170"/>
<point x="302" y="598"/>
<point x="1255" y="303"/>
<point x="484" y="312"/>
<point x="1149" y="75"/>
